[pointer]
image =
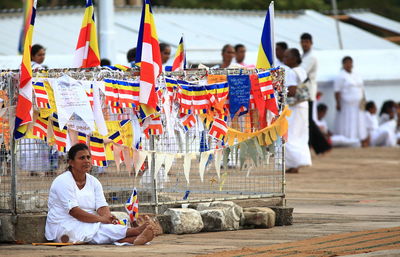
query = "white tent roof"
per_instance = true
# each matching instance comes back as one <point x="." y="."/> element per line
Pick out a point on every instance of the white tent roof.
<point x="205" y="31"/>
<point x="376" y="20"/>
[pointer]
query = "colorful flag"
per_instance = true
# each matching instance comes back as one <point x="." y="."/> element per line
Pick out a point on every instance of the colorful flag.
<point x="218" y="129"/>
<point x="23" y="112"/>
<point x="60" y="135"/>
<point x="116" y="138"/>
<point x="87" y="50"/>
<point x="96" y="146"/>
<point x="40" y="128"/>
<point x="266" y="51"/>
<point x="128" y="93"/>
<point x="132" y="206"/>
<point x="188" y="121"/>
<point x="153" y="127"/>
<point x="194" y="98"/>
<point x="267" y="91"/>
<point x="90" y="95"/>
<point x="180" y="57"/>
<point x="42" y="99"/>
<point x="82" y="138"/>
<point x="27" y="6"/>
<point x="148" y="56"/>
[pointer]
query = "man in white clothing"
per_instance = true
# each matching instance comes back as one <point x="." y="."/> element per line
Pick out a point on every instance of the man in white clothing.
<point x="309" y="63"/>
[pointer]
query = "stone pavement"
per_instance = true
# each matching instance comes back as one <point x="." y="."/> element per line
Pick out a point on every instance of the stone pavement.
<point x="347" y="190"/>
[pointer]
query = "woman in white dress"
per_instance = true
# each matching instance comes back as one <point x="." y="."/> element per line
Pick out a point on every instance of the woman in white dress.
<point x="297" y="152"/>
<point x="78" y="211"/>
<point x="349" y="94"/>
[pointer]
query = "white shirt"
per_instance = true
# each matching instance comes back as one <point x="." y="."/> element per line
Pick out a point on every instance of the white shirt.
<point x="323" y="125"/>
<point x="350" y="86"/>
<point x="371" y="122"/>
<point x="310" y="64"/>
<point x="301" y="74"/>
<point x="290" y="76"/>
<point x="65" y="195"/>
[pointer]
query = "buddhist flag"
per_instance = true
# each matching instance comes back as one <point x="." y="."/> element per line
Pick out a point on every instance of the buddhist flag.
<point x="180" y="57"/>
<point x="82" y="138"/>
<point x="148" y="56"/>
<point x="87" y="50"/>
<point x="97" y="150"/>
<point x="27" y="10"/>
<point x="40" y="128"/>
<point x="42" y="99"/>
<point x="218" y="129"/>
<point x="266" y="51"/>
<point x="132" y="206"/>
<point x="23" y="112"/>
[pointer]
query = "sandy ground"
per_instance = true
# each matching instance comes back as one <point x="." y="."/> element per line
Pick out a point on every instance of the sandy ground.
<point x="347" y="190"/>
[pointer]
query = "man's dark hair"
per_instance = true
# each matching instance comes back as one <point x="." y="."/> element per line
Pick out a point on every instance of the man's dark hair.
<point x="131" y="55"/>
<point x="369" y="105"/>
<point x="225" y="47"/>
<point x="347" y="58"/>
<point x="282" y="45"/>
<point x="296" y="54"/>
<point x="35" y="49"/>
<point x="306" y="36"/>
<point x="238" y="46"/>
<point x="104" y="62"/>
<point x="163" y="46"/>
<point x="322" y="107"/>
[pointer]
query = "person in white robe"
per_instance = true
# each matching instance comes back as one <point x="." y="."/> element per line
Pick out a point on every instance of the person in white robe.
<point x="297" y="151"/>
<point x="78" y="211"/>
<point x="335" y="140"/>
<point x="384" y="133"/>
<point x="349" y="95"/>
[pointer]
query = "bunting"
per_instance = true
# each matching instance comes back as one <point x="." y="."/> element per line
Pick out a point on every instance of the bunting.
<point x="23" y="112"/>
<point x="267" y="91"/>
<point x="82" y="138"/>
<point x="188" y="121"/>
<point x="116" y="138"/>
<point x="40" y="128"/>
<point x="148" y="56"/>
<point x="96" y="146"/>
<point x="218" y="129"/>
<point x="87" y="50"/>
<point x="60" y="135"/>
<point x="42" y="99"/>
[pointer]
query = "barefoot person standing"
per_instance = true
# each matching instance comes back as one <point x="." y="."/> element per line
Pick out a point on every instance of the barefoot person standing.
<point x="78" y="211"/>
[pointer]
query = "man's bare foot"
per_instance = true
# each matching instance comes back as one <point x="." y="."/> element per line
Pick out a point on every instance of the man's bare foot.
<point x="146" y="236"/>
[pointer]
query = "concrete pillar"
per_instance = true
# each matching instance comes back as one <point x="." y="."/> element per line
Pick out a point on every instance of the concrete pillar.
<point x="106" y="30"/>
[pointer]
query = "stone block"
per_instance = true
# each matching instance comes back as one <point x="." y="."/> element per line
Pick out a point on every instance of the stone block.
<point x="214" y="219"/>
<point x="185" y="221"/>
<point x="234" y="213"/>
<point x="284" y="215"/>
<point x="30" y="228"/>
<point x="259" y="217"/>
<point x="165" y="222"/>
<point x="7" y="229"/>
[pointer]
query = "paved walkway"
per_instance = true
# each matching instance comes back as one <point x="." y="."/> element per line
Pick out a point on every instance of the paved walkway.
<point x="349" y="190"/>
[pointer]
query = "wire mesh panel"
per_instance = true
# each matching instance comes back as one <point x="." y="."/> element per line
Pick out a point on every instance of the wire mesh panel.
<point x="181" y="165"/>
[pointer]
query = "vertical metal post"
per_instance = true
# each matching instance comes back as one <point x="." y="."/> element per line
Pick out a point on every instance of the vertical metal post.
<point x="154" y="188"/>
<point x="106" y="29"/>
<point x="335" y="13"/>
<point x="13" y="197"/>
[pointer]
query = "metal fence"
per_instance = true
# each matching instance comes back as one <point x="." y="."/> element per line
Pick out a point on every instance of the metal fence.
<point x="28" y="166"/>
